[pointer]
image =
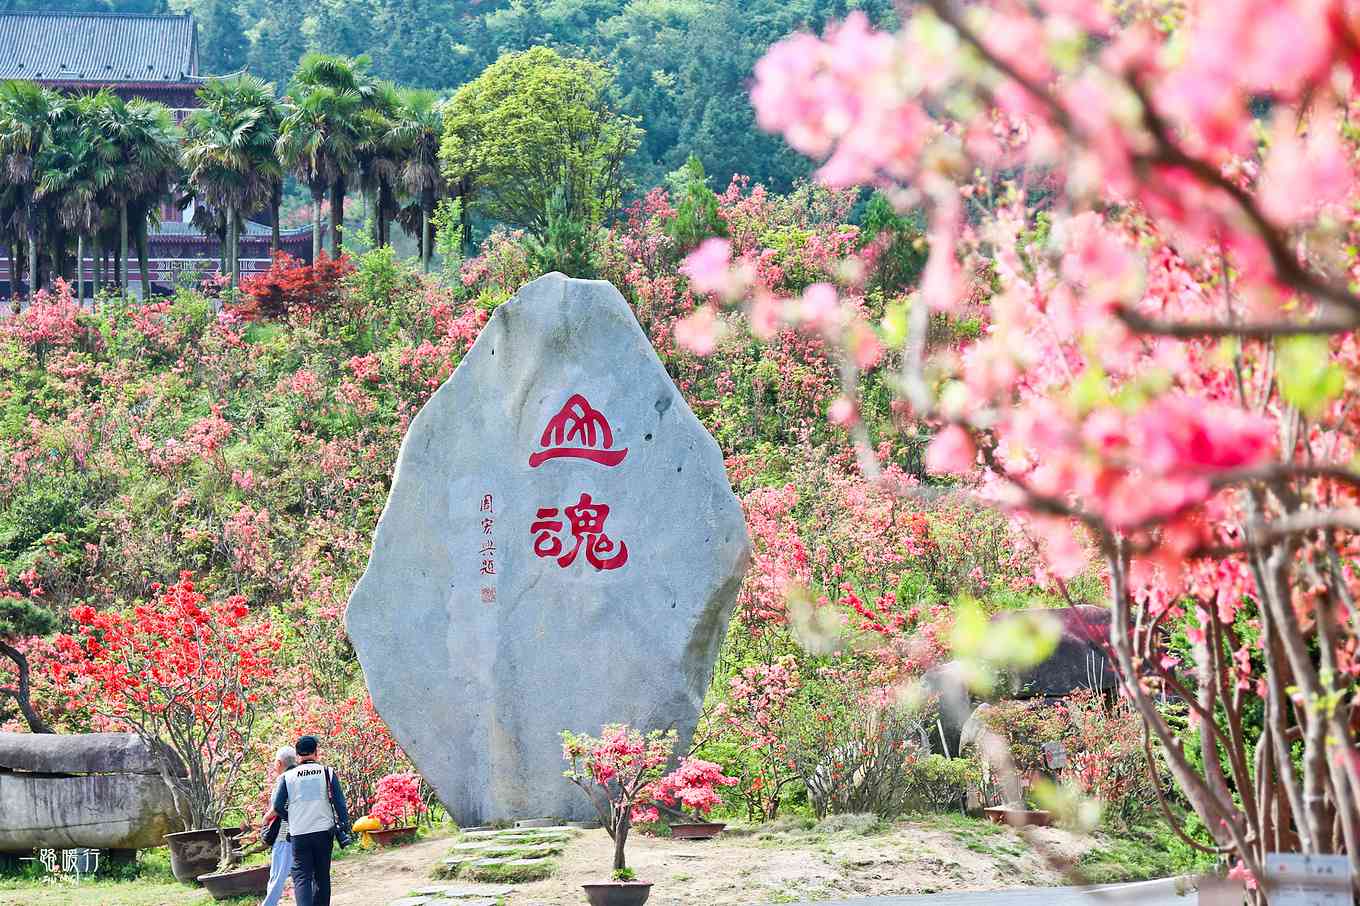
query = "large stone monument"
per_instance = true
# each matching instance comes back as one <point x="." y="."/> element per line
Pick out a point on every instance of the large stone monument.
<point x="561" y="550"/>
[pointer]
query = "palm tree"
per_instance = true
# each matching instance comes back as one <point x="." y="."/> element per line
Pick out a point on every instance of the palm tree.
<point x="27" y="114"/>
<point x="380" y="155"/>
<point x="75" y="172"/>
<point x="147" y="140"/>
<point x="229" y="153"/>
<point x="418" y="128"/>
<point x="322" y="132"/>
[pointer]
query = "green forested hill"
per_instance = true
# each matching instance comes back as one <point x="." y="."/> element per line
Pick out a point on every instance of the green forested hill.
<point x="682" y="65"/>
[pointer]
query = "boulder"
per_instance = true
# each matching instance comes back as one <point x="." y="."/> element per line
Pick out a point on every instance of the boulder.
<point x="97" y="790"/>
<point x="1079" y="662"/>
<point x="560" y="550"/>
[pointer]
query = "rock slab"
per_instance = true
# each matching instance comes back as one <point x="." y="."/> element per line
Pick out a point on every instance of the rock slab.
<point x="561" y="549"/>
<point x="97" y="790"/>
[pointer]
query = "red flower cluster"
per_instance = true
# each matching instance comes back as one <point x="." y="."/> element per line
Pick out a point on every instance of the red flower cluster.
<point x="184" y="673"/>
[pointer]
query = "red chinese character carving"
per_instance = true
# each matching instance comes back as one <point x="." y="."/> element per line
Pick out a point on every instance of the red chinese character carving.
<point x="486" y="526"/>
<point x="546" y="542"/>
<point x="578" y="431"/>
<point x="488" y="567"/>
<point x="486" y="504"/>
<point x="587" y="527"/>
<point x="488" y="595"/>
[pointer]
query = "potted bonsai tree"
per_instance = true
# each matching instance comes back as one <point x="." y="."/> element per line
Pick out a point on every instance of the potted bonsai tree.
<point x="616" y="771"/>
<point x="230" y="880"/>
<point x="396" y="805"/>
<point x="188" y="676"/>
<point x="692" y="786"/>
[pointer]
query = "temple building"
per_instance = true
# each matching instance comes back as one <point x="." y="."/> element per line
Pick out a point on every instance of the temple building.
<point x="147" y="56"/>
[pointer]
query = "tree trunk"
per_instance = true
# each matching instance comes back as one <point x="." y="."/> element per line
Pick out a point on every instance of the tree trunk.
<point x="122" y="248"/>
<point x="621" y="838"/>
<point x="424" y="240"/>
<point x="32" y="260"/>
<point x="316" y="223"/>
<point x="80" y="270"/>
<point x="233" y="253"/>
<point x="21" y="691"/>
<point x="337" y="217"/>
<point x="97" y="263"/>
<point x="144" y="262"/>
<point x="426" y="235"/>
<point x="15" y="255"/>
<point x="275" y="202"/>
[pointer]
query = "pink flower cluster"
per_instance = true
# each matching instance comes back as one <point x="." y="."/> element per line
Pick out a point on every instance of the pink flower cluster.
<point x="397" y="799"/>
<point x="693" y="785"/>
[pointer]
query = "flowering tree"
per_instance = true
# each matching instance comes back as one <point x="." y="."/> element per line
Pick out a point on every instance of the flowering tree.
<point x="617" y="771"/>
<point x="397" y="799"/>
<point x="184" y="673"/>
<point x="1151" y="217"/>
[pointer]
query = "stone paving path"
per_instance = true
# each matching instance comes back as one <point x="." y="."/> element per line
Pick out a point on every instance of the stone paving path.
<point x="1145" y="893"/>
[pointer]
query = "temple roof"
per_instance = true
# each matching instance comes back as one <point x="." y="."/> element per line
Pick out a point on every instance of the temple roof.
<point x="102" y="48"/>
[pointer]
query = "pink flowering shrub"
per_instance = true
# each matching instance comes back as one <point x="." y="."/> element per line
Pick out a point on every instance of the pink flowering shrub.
<point x="397" y="799"/>
<point x="693" y="785"/>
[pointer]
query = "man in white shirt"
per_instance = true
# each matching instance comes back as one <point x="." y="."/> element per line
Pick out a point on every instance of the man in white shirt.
<point x="309" y="798"/>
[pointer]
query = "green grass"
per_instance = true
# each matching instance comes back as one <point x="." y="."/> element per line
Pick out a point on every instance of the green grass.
<point x="510" y="874"/>
<point x="1141" y="854"/>
<point x="148" y="882"/>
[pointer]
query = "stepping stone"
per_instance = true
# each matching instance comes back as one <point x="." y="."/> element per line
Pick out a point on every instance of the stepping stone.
<point x="472" y="846"/>
<point x="411" y="901"/>
<point x="482" y="832"/>
<point x="464" y="891"/>
<point x="536" y="822"/>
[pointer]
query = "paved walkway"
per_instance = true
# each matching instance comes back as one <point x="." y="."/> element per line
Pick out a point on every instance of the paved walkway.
<point x="1146" y="893"/>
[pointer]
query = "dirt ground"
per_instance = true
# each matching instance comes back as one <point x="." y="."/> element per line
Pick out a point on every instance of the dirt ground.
<point x="765" y="866"/>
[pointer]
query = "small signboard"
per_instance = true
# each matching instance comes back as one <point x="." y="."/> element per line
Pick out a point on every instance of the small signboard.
<point x="1055" y="755"/>
<point x="78" y="862"/>
<point x="1300" y="879"/>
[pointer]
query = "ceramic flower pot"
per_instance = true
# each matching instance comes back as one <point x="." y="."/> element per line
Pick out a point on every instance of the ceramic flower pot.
<point x="698" y="830"/>
<point x="194" y="853"/>
<point x="238" y="882"/>
<point x="393" y="836"/>
<point x="618" y="893"/>
<point x="1018" y="817"/>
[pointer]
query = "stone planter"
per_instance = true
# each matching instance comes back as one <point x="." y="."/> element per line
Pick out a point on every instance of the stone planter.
<point x="1018" y="817"/>
<point x="238" y="882"/>
<point x="698" y="830"/>
<point x="393" y="836"/>
<point x="618" y="893"/>
<point x="194" y="853"/>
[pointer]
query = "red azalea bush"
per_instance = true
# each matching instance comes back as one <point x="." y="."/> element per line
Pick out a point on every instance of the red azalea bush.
<point x="189" y="675"/>
<point x="397" y="799"/>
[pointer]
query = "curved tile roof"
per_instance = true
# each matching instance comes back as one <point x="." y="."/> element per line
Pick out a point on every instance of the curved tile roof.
<point x="104" y="48"/>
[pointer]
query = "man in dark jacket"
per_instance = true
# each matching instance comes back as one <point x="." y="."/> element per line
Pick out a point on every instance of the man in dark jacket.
<point x="309" y="798"/>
